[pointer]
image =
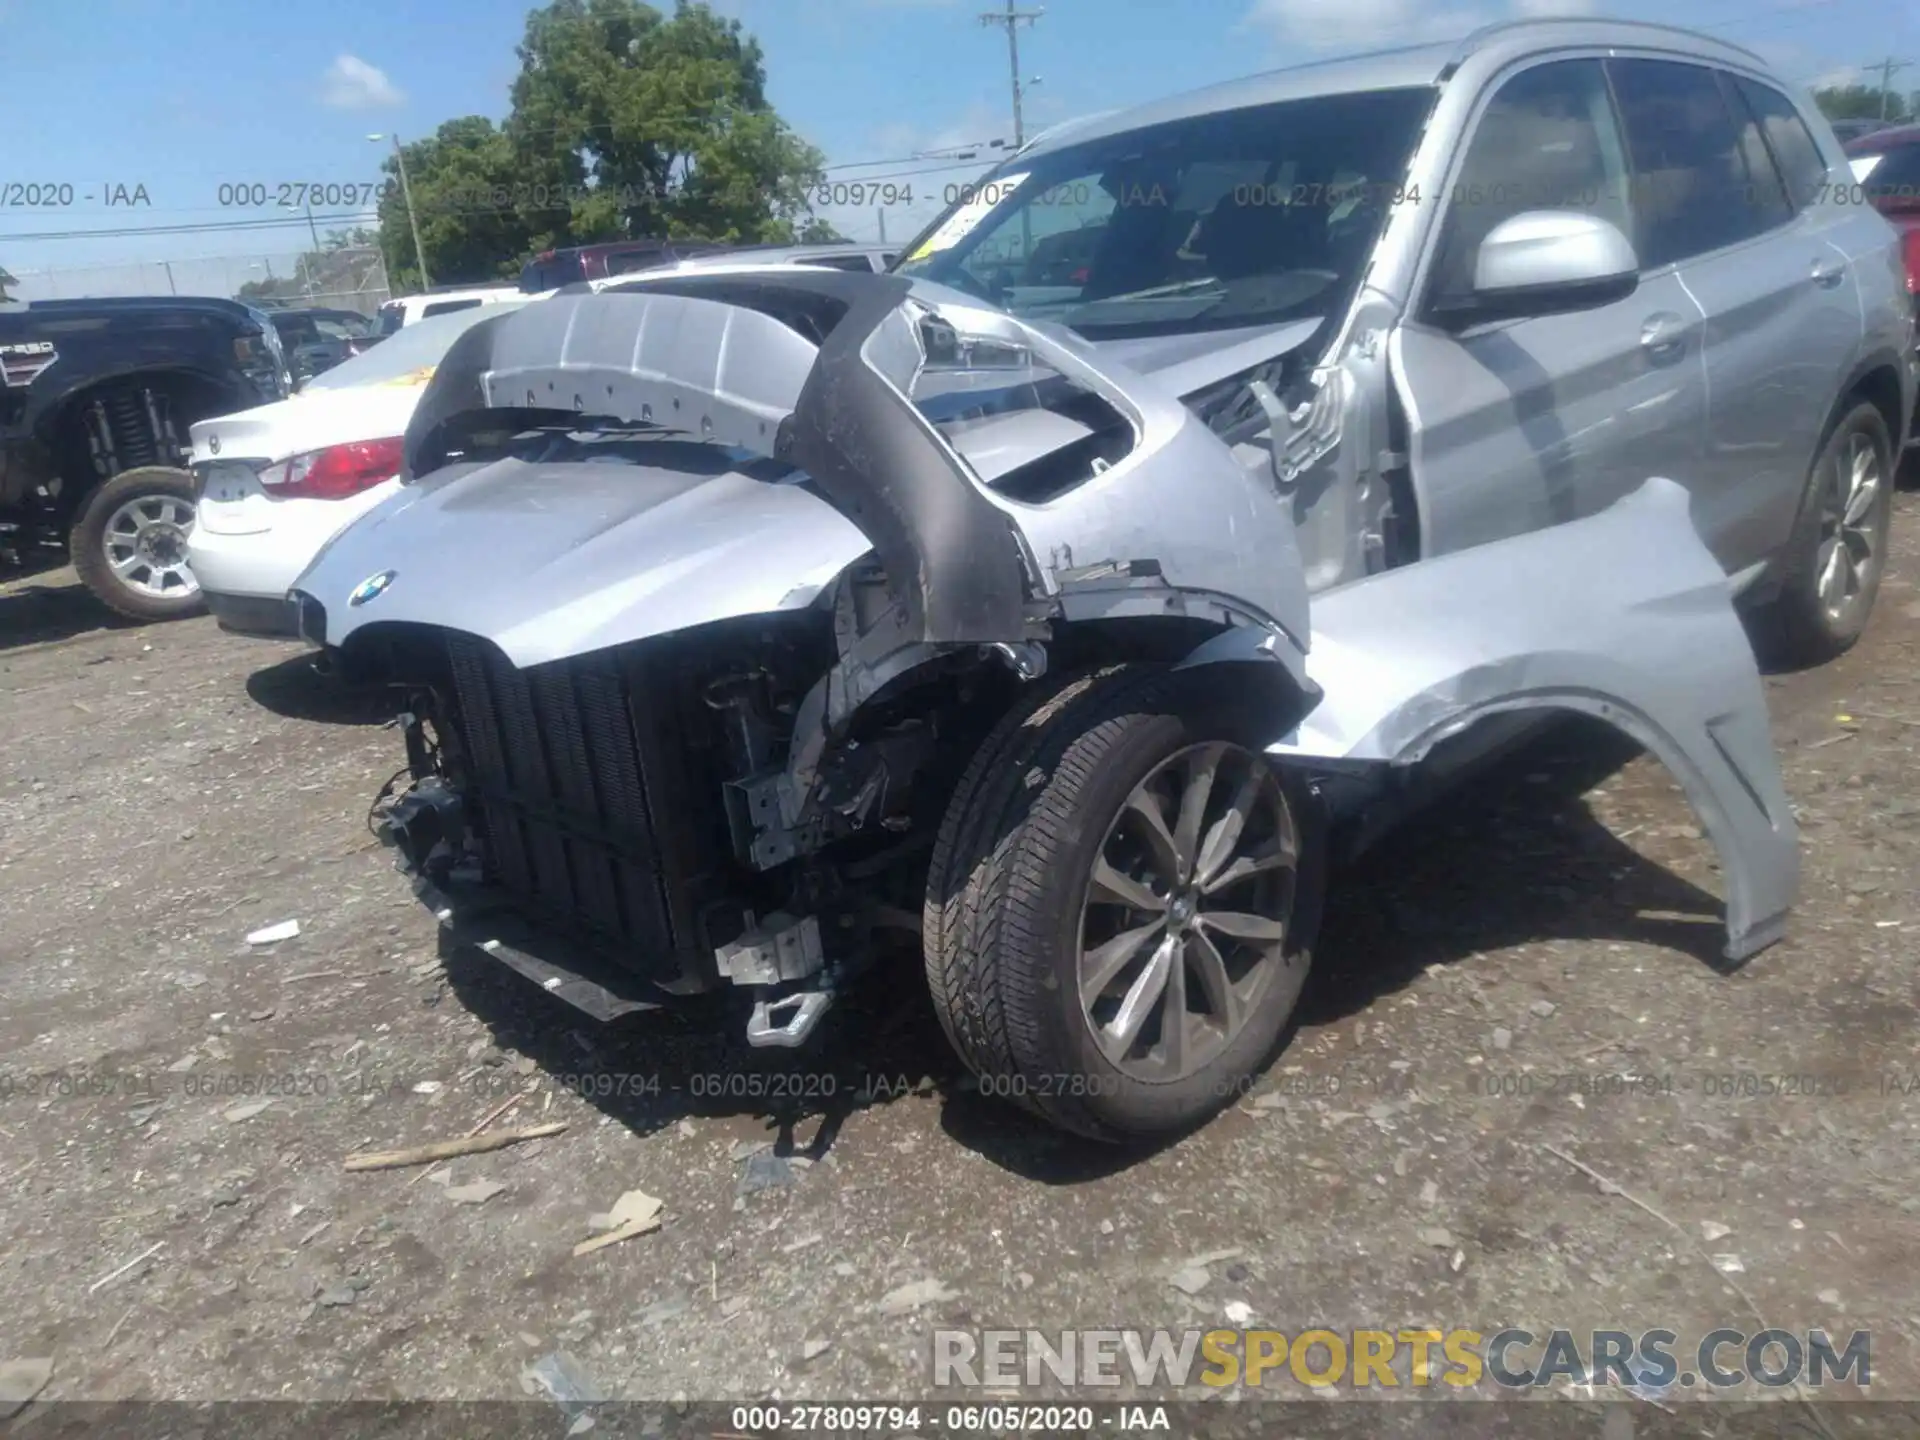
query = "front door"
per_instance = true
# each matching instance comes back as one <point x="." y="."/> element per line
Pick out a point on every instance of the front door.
<point x="1518" y="424"/>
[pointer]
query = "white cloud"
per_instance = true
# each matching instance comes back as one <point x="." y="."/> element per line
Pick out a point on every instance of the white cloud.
<point x="352" y="84"/>
<point x="1544" y="9"/>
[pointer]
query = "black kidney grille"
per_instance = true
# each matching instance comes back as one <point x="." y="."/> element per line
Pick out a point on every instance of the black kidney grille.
<point x="564" y="789"/>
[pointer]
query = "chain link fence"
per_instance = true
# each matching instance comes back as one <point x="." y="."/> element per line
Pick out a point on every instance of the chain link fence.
<point x="345" y="278"/>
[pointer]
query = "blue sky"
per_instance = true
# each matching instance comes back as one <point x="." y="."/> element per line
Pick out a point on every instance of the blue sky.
<point x="179" y="96"/>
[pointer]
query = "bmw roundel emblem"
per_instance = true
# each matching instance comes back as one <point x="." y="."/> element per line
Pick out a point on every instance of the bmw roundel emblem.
<point x="371" y="588"/>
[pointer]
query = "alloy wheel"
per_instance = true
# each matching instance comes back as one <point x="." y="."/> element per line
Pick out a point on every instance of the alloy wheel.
<point x="1187" y="911"/>
<point x="146" y="546"/>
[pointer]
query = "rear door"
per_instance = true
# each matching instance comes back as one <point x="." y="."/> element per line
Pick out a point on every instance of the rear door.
<point x="1782" y="318"/>
<point x="1518" y="424"/>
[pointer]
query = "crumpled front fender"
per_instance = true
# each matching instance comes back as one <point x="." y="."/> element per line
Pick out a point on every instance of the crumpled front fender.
<point x="1624" y="616"/>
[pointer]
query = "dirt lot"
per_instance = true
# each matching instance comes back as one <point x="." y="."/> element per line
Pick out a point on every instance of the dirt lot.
<point x="1531" y="967"/>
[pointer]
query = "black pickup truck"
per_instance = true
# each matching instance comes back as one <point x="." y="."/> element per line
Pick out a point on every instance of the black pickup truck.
<point x="96" y="397"/>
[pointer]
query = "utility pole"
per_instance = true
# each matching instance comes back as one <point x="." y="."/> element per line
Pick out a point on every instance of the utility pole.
<point x="1012" y="19"/>
<point x="1887" y="67"/>
<point x="413" y="220"/>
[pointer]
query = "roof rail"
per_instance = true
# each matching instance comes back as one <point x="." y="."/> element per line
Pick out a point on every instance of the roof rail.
<point x="1500" y="27"/>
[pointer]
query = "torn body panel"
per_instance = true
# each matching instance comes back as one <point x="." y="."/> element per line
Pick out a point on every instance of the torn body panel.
<point x="1624" y="616"/>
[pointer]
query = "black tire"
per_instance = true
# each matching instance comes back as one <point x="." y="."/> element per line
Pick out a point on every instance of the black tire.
<point x="1797" y="627"/>
<point x="88" y="542"/>
<point x="1010" y="870"/>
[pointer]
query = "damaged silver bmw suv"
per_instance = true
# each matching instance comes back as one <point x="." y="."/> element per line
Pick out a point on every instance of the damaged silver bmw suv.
<point x="1214" y="475"/>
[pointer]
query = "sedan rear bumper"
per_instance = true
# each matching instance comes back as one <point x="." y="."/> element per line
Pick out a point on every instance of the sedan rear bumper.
<point x="262" y="616"/>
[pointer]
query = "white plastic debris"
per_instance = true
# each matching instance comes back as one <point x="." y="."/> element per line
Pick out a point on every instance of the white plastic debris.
<point x="285" y="930"/>
<point x="1728" y="1264"/>
<point x="1713" y="1230"/>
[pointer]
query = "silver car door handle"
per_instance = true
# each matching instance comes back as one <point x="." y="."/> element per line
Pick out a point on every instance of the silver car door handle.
<point x="1828" y="273"/>
<point x="1663" y="333"/>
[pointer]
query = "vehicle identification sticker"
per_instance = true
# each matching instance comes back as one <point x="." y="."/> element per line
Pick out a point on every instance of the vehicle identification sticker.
<point x="956" y="227"/>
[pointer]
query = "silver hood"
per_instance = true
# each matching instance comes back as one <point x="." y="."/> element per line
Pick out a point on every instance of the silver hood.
<point x="810" y="422"/>
<point x="555" y="560"/>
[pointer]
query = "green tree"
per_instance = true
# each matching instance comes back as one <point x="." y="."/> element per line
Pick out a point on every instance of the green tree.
<point x="6" y="281"/>
<point x="641" y="124"/>
<point x="462" y="180"/>
<point x="1862" y="102"/>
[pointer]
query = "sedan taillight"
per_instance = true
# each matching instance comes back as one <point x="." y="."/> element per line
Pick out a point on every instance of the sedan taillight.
<point x="335" y="472"/>
<point x="1910" y="248"/>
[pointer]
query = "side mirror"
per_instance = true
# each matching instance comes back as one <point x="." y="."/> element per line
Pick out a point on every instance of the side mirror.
<point x="1548" y="262"/>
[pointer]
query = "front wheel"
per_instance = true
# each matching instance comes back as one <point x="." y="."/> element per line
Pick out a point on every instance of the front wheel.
<point x="130" y="544"/>
<point x="1121" y="906"/>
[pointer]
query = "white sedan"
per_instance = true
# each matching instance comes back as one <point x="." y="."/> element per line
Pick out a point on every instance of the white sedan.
<point x="280" y="481"/>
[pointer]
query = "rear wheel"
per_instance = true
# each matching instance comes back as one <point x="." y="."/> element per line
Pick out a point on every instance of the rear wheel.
<point x="130" y="544"/>
<point x="1121" y="906"/>
<point x="1839" y="549"/>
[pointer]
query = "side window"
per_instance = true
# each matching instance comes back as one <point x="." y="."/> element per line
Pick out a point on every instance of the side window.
<point x="446" y="307"/>
<point x="1547" y="141"/>
<point x="1692" y="187"/>
<point x="1793" y="144"/>
<point x="842" y="262"/>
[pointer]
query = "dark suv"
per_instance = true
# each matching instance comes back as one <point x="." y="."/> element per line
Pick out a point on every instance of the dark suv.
<point x="95" y="400"/>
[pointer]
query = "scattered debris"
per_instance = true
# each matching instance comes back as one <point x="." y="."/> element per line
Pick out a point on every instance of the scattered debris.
<point x="1190" y="1279"/>
<point x="634" y="1213"/>
<point x="565" y="1380"/>
<point x="1541" y="1008"/>
<point x="670" y="1308"/>
<point x="814" y="1349"/>
<point x="1502" y="1038"/>
<point x="1728" y="1264"/>
<point x="765" y="1171"/>
<point x="447" y="1149"/>
<point x="20" y="1381"/>
<point x="1436" y="1236"/>
<point x="1711" y="1230"/>
<point x="747" y="1149"/>
<point x="1429" y="1192"/>
<point x="907" y="1298"/>
<point x="246" y="1110"/>
<point x="1828" y="1297"/>
<point x="270" y="934"/>
<point x="335" y="1295"/>
<point x="108" y="1279"/>
<point x="427" y="1087"/>
<point x="1239" y="1311"/>
<point x="474" y="1192"/>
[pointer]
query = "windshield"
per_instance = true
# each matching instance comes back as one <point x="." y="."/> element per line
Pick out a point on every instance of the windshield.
<point x="416" y="347"/>
<point x="1218" y="220"/>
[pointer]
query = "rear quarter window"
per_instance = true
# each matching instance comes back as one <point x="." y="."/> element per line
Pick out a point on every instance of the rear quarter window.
<point x="1793" y="145"/>
<point x="447" y="307"/>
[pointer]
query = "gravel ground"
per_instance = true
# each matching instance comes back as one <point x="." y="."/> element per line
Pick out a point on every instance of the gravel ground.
<point x="1484" y="984"/>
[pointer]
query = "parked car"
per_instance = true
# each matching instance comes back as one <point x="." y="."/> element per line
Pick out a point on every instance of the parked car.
<point x="859" y="259"/>
<point x="1886" y="168"/>
<point x="442" y="300"/>
<point x="739" y="621"/>
<point x="277" y="482"/>
<point x="553" y="269"/>
<point x="95" y="400"/>
<point x="318" y="339"/>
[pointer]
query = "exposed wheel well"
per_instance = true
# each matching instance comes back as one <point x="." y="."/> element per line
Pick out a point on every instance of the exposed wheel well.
<point x="124" y="422"/>
<point x="1881" y="386"/>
